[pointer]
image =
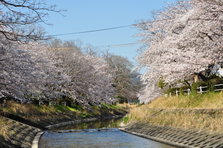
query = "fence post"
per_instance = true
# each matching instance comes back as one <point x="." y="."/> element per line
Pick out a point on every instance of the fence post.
<point x="177" y="92"/>
<point x="41" y="103"/>
<point x="200" y="88"/>
<point x="188" y="91"/>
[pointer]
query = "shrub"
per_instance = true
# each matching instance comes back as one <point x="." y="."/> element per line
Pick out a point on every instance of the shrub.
<point x="182" y="89"/>
<point x="213" y="82"/>
<point x="122" y="100"/>
<point x="161" y="83"/>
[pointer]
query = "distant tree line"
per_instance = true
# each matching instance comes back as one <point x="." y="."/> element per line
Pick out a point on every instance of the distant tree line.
<point x="34" y="67"/>
<point x="58" y="69"/>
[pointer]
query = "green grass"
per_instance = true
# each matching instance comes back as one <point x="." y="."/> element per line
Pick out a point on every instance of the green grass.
<point x="85" y="115"/>
<point x="37" y="113"/>
<point x="126" y="119"/>
<point x="110" y="106"/>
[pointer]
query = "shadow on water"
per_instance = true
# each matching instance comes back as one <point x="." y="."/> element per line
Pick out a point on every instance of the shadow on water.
<point x="103" y="134"/>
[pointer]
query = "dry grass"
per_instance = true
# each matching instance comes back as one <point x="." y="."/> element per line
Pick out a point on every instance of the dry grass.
<point x="127" y="106"/>
<point x="3" y="127"/>
<point x="38" y="113"/>
<point x="201" y="122"/>
<point x="207" y="101"/>
<point x="28" y="109"/>
<point x="211" y="123"/>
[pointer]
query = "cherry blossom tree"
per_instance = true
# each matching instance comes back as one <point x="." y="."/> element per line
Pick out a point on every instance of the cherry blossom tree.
<point x="46" y="70"/>
<point x="125" y="79"/>
<point x="38" y="71"/>
<point x="183" y="39"/>
<point x="20" y="19"/>
<point x="90" y="81"/>
<point x="26" y="71"/>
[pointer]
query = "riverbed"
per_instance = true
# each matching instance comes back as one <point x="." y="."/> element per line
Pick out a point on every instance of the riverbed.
<point x="103" y="134"/>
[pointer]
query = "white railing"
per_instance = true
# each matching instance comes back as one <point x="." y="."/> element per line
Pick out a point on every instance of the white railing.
<point x="217" y="85"/>
<point x="200" y="90"/>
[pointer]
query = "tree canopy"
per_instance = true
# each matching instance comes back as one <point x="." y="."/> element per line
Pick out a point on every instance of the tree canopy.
<point x="184" y="38"/>
<point x="20" y="19"/>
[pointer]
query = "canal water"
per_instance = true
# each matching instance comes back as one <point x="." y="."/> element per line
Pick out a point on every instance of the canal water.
<point x="104" y="134"/>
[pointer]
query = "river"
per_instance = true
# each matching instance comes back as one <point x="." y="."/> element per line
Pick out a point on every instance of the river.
<point x="104" y="134"/>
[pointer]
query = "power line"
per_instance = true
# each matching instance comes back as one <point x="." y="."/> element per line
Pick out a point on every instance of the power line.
<point x="95" y="30"/>
<point x="108" y="46"/>
<point x="119" y="45"/>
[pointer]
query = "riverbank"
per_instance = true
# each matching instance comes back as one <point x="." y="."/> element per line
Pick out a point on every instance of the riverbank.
<point x="17" y="134"/>
<point x="175" y="136"/>
<point x="183" y="121"/>
<point x="201" y="112"/>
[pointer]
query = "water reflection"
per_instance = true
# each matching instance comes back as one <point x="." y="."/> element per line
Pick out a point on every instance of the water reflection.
<point x="112" y="123"/>
<point x="102" y="138"/>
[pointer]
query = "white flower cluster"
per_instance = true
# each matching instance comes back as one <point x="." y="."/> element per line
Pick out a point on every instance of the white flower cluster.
<point x="184" y="38"/>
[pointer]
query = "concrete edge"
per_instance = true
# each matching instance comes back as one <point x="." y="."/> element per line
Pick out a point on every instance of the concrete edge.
<point x="35" y="143"/>
<point x="180" y="145"/>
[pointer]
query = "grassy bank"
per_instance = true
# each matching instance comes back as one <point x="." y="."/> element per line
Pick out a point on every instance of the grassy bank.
<point x="47" y="115"/>
<point x="182" y="112"/>
<point x="37" y="113"/>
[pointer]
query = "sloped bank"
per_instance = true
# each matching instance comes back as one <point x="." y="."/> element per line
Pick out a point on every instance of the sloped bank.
<point x="24" y="133"/>
<point x="18" y="134"/>
<point x="175" y="136"/>
<point x="21" y="135"/>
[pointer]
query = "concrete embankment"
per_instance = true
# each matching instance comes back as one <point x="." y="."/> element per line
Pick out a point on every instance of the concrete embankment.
<point x="176" y="137"/>
<point x="19" y="135"/>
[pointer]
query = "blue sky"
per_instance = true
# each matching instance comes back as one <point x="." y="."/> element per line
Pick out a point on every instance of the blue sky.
<point x="82" y="15"/>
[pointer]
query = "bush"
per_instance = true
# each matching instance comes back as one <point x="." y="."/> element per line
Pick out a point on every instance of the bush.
<point x="161" y="83"/>
<point x="213" y="82"/>
<point x="182" y="89"/>
<point x="122" y="100"/>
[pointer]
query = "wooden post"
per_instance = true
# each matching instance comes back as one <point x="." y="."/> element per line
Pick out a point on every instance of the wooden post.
<point x="200" y="88"/>
<point x="188" y="91"/>
<point x="170" y="94"/>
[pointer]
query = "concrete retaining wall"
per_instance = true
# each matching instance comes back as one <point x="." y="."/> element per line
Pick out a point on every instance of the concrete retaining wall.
<point x="25" y="136"/>
<point x="20" y="135"/>
<point x="176" y="137"/>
